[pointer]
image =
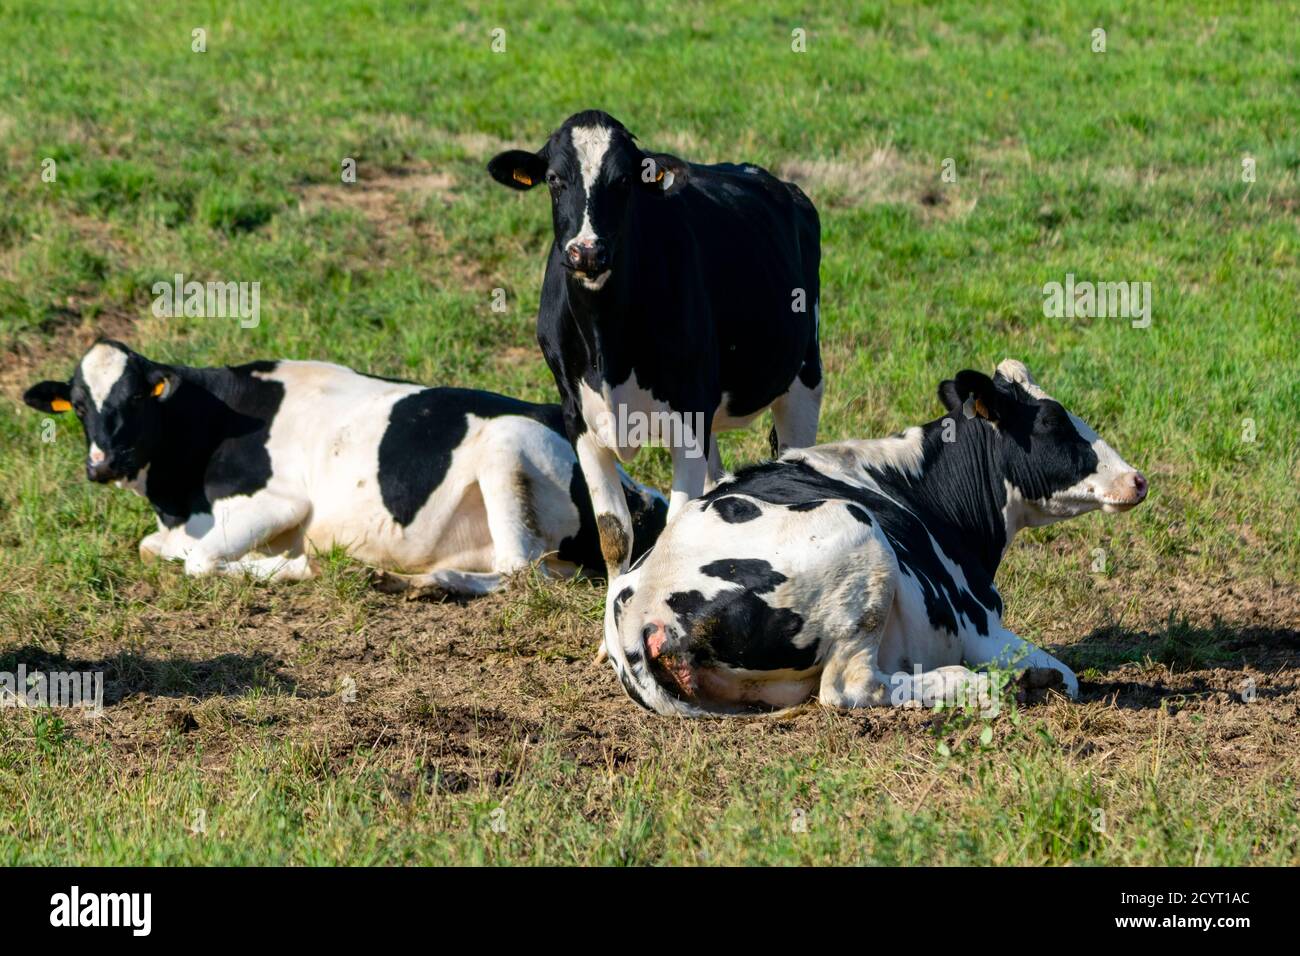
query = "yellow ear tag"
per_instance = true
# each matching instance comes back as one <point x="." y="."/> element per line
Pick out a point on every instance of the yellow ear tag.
<point x="60" y="405"/>
<point x="660" y="177"/>
<point x="520" y="176"/>
<point x="160" y="388"/>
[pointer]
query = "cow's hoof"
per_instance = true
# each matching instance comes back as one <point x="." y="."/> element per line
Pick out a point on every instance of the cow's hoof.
<point x="1034" y="683"/>
<point x="388" y="583"/>
<point x="602" y="655"/>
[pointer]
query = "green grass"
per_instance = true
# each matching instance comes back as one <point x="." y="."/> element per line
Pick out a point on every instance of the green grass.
<point x="1124" y="165"/>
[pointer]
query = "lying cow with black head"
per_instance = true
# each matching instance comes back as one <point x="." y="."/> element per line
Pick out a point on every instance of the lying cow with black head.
<point x="679" y="300"/>
<point x="250" y="468"/>
<point x="862" y="571"/>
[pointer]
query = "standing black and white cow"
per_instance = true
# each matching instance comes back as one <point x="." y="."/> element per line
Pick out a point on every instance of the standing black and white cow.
<point x="250" y="467"/>
<point x="679" y="300"/>
<point x="862" y="571"/>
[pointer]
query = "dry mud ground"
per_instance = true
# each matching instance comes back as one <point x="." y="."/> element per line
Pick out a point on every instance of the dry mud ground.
<point x="465" y="687"/>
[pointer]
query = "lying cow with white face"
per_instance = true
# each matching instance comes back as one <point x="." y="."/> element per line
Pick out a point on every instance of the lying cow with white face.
<point x="458" y="488"/>
<point x="862" y="571"/>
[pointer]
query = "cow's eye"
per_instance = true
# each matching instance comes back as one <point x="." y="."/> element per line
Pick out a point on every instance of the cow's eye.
<point x="554" y="181"/>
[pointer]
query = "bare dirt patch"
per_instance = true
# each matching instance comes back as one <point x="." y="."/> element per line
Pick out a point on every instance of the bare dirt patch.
<point x="394" y="204"/>
<point x="879" y="175"/>
<point x="449" y="695"/>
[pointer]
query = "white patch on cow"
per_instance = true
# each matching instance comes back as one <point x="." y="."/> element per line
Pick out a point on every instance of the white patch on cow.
<point x="1109" y="487"/>
<point x="904" y="452"/>
<point x="598" y="283"/>
<point x="591" y="143"/>
<point x="1014" y="370"/>
<point x="614" y="414"/>
<point x="95" y="455"/>
<point x="101" y="369"/>
<point x="136" y="484"/>
<point x="1013" y="512"/>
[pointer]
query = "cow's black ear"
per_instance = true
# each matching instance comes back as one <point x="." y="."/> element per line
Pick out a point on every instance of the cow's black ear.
<point x="976" y="394"/>
<point x="517" y="169"/>
<point x="948" y="395"/>
<point x="163" y="383"/>
<point x="664" y="173"/>
<point x="49" y="396"/>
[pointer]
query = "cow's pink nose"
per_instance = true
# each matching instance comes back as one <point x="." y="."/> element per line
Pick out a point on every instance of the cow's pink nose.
<point x="655" y="638"/>
<point x="1139" y="486"/>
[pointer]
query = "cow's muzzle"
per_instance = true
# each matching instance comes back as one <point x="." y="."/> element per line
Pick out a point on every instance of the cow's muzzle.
<point x="101" y="472"/>
<point x="669" y="661"/>
<point x="1127" y="491"/>
<point x="590" y="258"/>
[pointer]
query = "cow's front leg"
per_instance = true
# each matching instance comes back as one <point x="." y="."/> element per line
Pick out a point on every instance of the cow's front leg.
<point x="239" y="525"/>
<point x="1003" y="649"/>
<point x="608" y="503"/>
<point x="166" y="544"/>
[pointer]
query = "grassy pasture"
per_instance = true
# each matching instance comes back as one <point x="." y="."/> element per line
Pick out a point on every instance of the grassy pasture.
<point x="483" y="733"/>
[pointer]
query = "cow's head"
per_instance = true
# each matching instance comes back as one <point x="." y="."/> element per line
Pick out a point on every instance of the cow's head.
<point x="1054" y="464"/>
<point x="596" y="175"/>
<point x="118" y="395"/>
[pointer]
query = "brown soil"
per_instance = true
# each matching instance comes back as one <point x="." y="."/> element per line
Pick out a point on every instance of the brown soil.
<point x="457" y="688"/>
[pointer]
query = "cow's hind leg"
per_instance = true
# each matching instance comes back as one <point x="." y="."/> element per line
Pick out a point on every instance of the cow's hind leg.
<point x="510" y="501"/>
<point x="690" y="475"/>
<point x="795" y="414"/>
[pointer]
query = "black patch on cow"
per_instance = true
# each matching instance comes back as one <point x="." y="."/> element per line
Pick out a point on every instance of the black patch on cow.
<point x="736" y="627"/>
<point x="213" y="440"/>
<point x="649" y="515"/>
<point x="619" y="600"/>
<point x="425" y="428"/>
<point x="859" y="514"/>
<point x="808" y="505"/>
<point x="735" y="510"/>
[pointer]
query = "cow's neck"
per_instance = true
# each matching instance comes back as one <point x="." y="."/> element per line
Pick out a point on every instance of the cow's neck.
<point x="196" y="420"/>
<point x="606" y="323"/>
<point x="961" y="492"/>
